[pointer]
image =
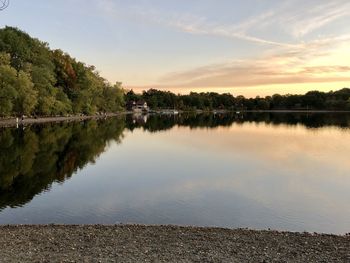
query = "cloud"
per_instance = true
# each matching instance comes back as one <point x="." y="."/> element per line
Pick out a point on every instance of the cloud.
<point x="252" y="76"/>
<point x="316" y="17"/>
<point x="200" y="26"/>
<point x="296" y="22"/>
<point x="286" y="65"/>
<point x="296" y="18"/>
<point x="290" y="53"/>
<point x="185" y="22"/>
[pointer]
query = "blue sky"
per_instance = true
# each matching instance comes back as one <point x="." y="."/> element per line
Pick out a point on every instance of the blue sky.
<point x="251" y="47"/>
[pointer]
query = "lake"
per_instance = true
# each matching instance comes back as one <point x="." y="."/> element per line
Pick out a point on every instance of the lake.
<point x="256" y="170"/>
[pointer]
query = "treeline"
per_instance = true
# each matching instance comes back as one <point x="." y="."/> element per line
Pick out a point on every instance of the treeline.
<point x="35" y="80"/>
<point x="313" y="100"/>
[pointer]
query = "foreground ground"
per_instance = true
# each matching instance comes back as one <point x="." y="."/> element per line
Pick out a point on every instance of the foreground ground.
<point x="165" y="244"/>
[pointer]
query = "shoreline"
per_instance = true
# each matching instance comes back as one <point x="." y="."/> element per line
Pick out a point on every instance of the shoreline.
<point x="11" y="121"/>
<point x="136" y="243"/>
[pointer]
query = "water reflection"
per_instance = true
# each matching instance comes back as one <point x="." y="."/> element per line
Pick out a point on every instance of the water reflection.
<point x="32" y="158"/>
<point x="309" y="120"/>
<point x="258" y="170"/>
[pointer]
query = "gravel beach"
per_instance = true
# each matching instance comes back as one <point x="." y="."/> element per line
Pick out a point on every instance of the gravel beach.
<point x="135" y="243"/>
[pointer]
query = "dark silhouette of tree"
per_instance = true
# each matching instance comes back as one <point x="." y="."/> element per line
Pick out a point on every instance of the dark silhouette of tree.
<point x="207" y="101"/>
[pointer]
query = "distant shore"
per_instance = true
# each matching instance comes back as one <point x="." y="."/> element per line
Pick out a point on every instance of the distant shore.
<point x="137" y="243"/>
<point x="10" y="122"/>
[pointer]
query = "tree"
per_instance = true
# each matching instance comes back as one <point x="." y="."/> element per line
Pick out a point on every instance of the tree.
<point x="8" y="81"/>
<point x="36" y="79"/>
<point x="26" y="99"/>
<point x="348" y="104"/>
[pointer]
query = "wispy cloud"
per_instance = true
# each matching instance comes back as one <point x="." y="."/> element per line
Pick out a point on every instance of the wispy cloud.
<point x="296" y="22"/>
<point x="296" y="18"/>
<point x="315" y="17"/>
<point x="201" y="26"/>
<point x="185" y="22"/>
<point x="295" y="48"/>
<point x="252" y="76"/>
<point x="283" y="66"/>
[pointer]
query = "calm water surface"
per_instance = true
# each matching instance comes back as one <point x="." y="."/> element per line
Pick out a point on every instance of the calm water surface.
<point x="278" y="171"/>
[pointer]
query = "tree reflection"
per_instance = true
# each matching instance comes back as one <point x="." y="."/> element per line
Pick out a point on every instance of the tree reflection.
<point x="32" y="159"/>
<point x="155" y="123"/>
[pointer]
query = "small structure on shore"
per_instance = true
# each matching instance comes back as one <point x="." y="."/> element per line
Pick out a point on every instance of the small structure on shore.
<point x="139" y="106"/>
<point x="169" y="111"/>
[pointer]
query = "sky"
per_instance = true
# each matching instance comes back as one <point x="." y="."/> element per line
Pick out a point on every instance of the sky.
<point x="244" y="47"/>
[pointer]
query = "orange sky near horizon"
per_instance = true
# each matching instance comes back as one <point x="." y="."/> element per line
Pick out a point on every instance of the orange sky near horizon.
<point x="261" y="91"/>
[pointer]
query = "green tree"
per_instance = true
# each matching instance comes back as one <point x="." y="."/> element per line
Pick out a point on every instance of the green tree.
<point x="26" y="99"/>
<point x="44" y="80"/>
<point x="348" y="104"/>
<point x="8" y="93"/>
<point x="36" y="79"/>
